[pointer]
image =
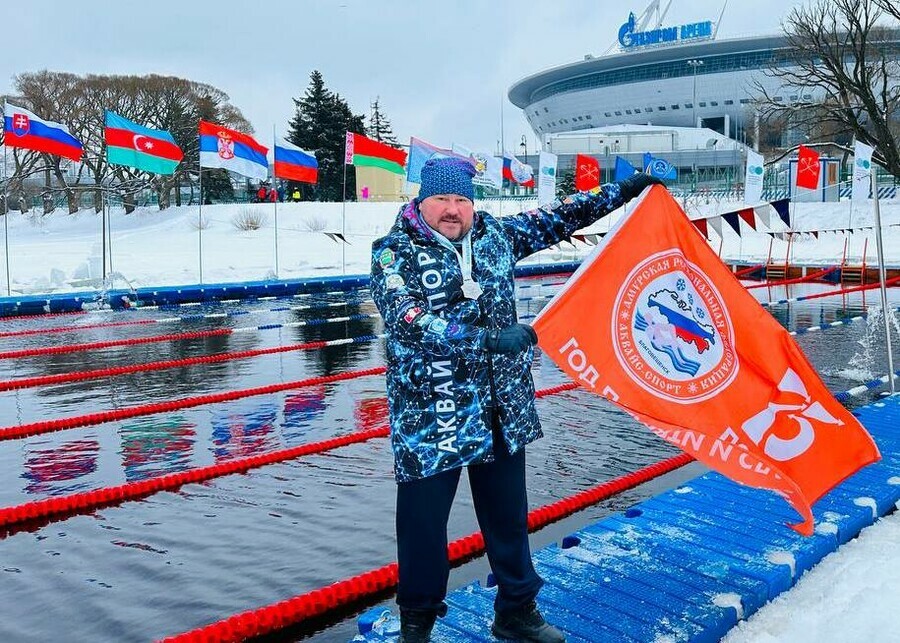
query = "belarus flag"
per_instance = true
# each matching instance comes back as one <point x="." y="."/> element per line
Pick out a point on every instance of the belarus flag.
<point x="655" y="322"/>
<point x="231" y="150"/>
<point x="295" y="164"/>
<point x="24" y="129"/>
<point x="142" y="148"/>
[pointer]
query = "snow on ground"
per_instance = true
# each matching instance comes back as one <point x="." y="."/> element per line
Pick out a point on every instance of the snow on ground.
<point x="61" y="252"/>
<point x="851" y="596"/>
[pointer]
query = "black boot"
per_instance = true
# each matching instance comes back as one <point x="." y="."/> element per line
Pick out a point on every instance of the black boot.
<point x="416" y="625"/>
<point x="525" y="624"/>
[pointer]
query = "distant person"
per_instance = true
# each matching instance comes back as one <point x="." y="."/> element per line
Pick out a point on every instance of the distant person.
<point x="261" y="194"/>
<point x="281" y="194"/>
<point x="295" y="195"/>
<point x="459" y="384"/>
<point x="273" y="196"/>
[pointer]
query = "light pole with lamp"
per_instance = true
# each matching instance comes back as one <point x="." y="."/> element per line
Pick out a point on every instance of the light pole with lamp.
<point x="695" y="63"/>
<point x="524" y="146"/>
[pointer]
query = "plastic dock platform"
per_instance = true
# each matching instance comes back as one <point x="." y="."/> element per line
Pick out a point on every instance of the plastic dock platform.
<point x="685" y="565"/>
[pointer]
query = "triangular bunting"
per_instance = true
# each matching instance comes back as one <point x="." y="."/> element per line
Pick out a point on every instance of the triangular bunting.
<point x="815" y="233"/>
<point x="579" y="237"/>
<point x="716" y="223"/>
<point x="762" y="211"/>
<point x="732" y="219"/>
<point x="700" y="224"/>
<point x="747" y="215"/>
<point x="782" y="207"/>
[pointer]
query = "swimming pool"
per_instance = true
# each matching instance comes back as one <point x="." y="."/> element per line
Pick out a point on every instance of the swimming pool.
<point x="177" y="560"/>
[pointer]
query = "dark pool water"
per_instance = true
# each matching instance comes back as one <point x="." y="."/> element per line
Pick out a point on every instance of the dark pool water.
<point x="176" y="561"/>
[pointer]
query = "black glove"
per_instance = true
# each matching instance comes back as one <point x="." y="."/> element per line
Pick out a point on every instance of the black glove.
<point x="512" y="339"/>
<point x="635" y="184"/>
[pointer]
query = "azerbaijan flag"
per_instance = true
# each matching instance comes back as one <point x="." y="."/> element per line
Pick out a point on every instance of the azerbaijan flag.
<point x="142" y="148"/>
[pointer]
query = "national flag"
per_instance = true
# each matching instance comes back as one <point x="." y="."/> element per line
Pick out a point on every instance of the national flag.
<point x="587" y="173"/>
<point x="624" y="169"/>
<point x="655" y="322"/>
<point x="364" y="152"/>
<point x="517" y="172"/>
<point x="488" y="168"/>
<point x="659" y="167"/>
<point x="295" y="164"/>
<point x="142" y="148"/>
<point x="231" y="150"/>
<point x="419" y="153"/>
<point x="808" y="168"/>
<point x="24" y="129"/>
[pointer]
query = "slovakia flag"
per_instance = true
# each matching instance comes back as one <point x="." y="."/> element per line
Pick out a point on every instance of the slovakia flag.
<point x="23" y="129"/>
<point x="295" y="164"/>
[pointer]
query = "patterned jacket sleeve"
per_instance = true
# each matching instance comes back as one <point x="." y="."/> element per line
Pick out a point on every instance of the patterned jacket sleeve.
<point x="398" y="295"/>
<point x="538" y="229"/>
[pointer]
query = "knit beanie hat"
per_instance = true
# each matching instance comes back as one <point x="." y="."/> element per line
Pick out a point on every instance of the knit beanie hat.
<point x="447" y="175"/>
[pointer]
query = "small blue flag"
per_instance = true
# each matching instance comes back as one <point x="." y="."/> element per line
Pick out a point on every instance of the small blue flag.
<point x="659" y="167"/>
<point x="624" y="169"/>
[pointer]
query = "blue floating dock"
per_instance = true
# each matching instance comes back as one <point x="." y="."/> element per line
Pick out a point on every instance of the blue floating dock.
<point x="688" y="564"/>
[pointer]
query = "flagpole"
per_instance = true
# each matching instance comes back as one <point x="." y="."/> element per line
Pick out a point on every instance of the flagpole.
<point x="502" y="157"/>
<point x="275" y="189"/>
<point x="881" y="277"/>
<point x="200" y="224"/>
<point x="6" y="210"/>
<point x="103" y="235"/>
<point x="344" y="213"/>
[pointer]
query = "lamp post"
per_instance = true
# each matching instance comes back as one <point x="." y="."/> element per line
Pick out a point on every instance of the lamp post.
<point x="694" y="63"/>
<point x="524" y="146"/>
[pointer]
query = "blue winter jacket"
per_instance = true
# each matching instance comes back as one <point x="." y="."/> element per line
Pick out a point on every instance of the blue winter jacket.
<point x="443" y="388"/>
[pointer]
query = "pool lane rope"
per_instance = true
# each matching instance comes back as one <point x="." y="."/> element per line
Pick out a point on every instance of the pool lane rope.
<point x="91" y="419"/>
<point x="86" y="501"/>
<point x="292" y="611"/>
<point x="75" y="348"/>
<point x="748" y="270"/>
<point x="174" y="320"/>
<point x="115" y="371"/>
<point x="796" y="280"/>
<point x="843" y="291"/>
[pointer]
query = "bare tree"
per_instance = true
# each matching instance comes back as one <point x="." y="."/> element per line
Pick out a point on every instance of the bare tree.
<point x="842" y="76"/>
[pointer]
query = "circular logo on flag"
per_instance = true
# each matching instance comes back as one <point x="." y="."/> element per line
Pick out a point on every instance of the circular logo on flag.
<point x="671" y="331"/>
<point x="225" y="146"/>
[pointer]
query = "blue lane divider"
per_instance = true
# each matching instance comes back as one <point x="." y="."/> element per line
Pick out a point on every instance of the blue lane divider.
<point x="688" y="564"/>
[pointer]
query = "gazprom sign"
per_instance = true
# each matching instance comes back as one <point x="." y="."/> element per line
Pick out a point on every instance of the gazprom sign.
<point x="630" y="39"/>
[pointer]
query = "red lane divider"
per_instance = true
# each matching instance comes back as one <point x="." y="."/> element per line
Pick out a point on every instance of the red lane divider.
<point x="63" y="329"/>
<point x="78" y="376"/>
<point x="747" y="271"/>
<point x="90" y="500"/>
<point x="73" y="348"/>
<point x="292" y="611"/>
<point x="91" y="419"/>
<point x="888" y="282"/>
<point x="795" y="280"/>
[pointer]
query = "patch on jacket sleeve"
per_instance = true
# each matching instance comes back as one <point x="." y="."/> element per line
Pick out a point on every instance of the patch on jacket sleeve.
<point x="394" y="281"/>
<point x="438" y="326"/>
<point x="386" y="258"/>
<point x="411" y="314"/>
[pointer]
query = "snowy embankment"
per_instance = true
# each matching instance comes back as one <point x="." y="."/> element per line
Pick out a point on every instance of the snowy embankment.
<point x="61" y="252"/>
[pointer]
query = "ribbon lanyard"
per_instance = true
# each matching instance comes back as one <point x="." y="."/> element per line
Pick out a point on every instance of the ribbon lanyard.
<point x="464" y="259"/>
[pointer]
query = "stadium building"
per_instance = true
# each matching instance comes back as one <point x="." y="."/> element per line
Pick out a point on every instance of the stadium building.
<point x="666" y="77"/>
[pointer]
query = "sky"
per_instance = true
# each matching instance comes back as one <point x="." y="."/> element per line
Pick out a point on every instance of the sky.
<point x="441" y="71"/>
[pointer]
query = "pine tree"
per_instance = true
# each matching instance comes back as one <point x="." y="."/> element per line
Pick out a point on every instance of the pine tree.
<point x="320" y="123"/>
<point x="380" y="126"/>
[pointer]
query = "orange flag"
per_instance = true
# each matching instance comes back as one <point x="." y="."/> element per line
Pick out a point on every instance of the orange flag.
<point x="655" y="322"/>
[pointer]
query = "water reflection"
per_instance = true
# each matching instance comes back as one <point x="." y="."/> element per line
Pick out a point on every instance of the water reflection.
<point x="241" y="434"/>
<point x="156" y="446"/>
<point x="51" y="470"/>
<point x="300" y="412"/>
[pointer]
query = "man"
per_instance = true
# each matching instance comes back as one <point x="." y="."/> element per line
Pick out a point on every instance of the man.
<point x="459" y="384"/>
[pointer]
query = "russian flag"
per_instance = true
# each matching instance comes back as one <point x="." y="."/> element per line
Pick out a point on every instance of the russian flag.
<point x="231" y="150"/>
<point x="295" y="164"/>
<point x="517" y="172"/>
<point x="23" y="129"/>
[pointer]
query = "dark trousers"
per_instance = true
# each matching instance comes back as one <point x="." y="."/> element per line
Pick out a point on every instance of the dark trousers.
<point x="501" y="506"/>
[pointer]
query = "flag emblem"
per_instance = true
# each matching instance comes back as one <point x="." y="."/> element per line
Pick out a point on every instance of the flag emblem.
<point x="672" y="333"/>
<point x="225" y="145"/>
<point x="21" y="124"/>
